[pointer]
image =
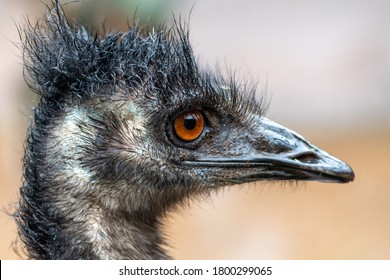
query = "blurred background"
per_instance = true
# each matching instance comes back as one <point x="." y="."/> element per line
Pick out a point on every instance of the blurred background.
<point x="325" y="66"/>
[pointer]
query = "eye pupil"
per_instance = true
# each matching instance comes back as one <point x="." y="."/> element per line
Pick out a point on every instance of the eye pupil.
<point x="190" y="122"/>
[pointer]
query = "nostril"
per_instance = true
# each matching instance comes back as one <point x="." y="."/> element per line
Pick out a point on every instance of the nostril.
<point x="308" y="157"/>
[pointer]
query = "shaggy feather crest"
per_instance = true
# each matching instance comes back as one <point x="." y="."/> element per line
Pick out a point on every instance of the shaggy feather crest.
<point x="66" y="61"/>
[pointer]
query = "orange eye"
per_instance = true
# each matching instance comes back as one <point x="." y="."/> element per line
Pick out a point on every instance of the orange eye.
<point x="189" y="125"/>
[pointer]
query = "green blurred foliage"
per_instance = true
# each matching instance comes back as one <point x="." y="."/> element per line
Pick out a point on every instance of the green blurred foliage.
<point x="116" y="15"/>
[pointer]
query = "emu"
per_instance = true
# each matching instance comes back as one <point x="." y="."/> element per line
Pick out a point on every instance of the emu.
<point x="127" y="126"/>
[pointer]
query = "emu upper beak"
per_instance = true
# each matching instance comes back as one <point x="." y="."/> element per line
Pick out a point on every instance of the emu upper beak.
<point x="285" y="155"/>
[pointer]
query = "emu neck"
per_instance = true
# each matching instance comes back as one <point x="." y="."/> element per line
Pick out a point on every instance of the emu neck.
<point x="87" y="227"/>
<point x="114" y="220"/>
<point x="121" y="235"/>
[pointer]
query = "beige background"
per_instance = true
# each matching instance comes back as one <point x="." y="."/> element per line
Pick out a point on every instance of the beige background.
<point x="326" y="67"/>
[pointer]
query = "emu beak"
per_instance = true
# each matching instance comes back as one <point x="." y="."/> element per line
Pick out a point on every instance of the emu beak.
<point x="284" y="155"/>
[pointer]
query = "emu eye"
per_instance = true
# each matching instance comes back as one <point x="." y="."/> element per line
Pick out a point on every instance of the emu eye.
<point x="189" y="125"/>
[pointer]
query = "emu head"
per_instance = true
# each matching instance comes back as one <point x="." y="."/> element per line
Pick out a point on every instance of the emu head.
<point x="129" y="123"/>
<point x="135" y="109"/>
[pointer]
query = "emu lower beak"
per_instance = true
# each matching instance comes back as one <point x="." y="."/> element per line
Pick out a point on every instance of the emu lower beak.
<point x="288" y="156"/>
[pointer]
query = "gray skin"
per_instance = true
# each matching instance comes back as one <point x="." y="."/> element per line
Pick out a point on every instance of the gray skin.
<point x="103" y="163"/>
